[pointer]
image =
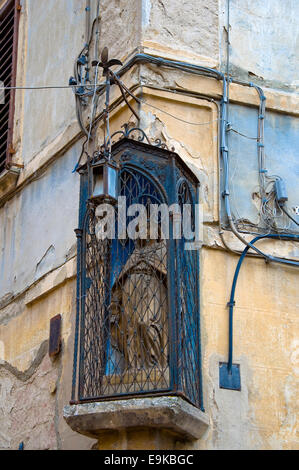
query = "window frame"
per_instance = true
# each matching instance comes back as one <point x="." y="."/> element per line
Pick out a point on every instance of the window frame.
<point x="11" y="113"/>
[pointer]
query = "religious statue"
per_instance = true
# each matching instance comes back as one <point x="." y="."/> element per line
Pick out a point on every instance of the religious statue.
<point x="138" y="320"/>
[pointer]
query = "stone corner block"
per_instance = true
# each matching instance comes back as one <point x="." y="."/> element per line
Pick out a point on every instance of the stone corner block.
<point x="169" y="413"/>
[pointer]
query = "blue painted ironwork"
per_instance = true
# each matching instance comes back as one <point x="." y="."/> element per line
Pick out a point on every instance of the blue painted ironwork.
<point x="229" y="379"/>
<point x="138" y="329"/>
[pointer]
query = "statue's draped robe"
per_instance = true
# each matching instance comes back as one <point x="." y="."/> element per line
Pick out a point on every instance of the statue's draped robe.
<point x="139" y="330"/>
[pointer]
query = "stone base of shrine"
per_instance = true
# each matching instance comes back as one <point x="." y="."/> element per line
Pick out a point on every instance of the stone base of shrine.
<point x="154" y="423"/>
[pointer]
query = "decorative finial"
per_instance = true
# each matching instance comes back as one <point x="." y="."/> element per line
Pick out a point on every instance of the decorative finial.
<point x="105" y="64"/>
<point x="104" y="55"/>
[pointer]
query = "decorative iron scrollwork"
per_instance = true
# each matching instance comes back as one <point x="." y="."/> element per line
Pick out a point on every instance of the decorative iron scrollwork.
<point x="136" y="133"/>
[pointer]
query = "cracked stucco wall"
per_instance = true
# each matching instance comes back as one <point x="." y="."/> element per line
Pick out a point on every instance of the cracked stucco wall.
<point x="54" y="35"/>
<point x="27" y="404"/>
<point x="37" y="243"/>
<point x="37" y="229"/>
<point x="264" y="415"/>
<point x="281" y="158"/>
<point x="183" y="27"/>
<point x="33" y="387"/>
<point x="264" y="41"/>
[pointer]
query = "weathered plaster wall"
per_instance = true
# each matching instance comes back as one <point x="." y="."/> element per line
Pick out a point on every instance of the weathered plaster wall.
<point x="55" y="35"/>
<point x="263" y="41"/>
<point x="52" y="35"/>
<point x="177" y="29"/>
<point x="281" y="151"/>
<point x="182" y="28"/>
<point x="33" y="388"/>
<point x="264" y="414"/>
<point x="37" y="229"/>
<point x="121" y="40"/>
<point x="27" y="404"/>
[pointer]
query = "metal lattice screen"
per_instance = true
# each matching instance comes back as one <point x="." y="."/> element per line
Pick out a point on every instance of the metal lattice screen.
<point x="9" y="18"/>
<point x="188" y="308"/>
<point x="138" y="315"/>
<point x="124" y="339"/>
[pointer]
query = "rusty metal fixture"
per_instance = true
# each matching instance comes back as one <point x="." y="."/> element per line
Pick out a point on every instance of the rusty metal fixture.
<point x="136" y="133"/>
<point x="105" y="64"/>
<point x="55" y="336"/>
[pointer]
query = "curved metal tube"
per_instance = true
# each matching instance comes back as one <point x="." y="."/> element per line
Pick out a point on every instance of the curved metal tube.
<point x="232" y="302"/>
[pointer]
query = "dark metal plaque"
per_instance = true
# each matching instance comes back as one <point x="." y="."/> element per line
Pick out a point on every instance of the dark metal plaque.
<point x="55" y="336"/>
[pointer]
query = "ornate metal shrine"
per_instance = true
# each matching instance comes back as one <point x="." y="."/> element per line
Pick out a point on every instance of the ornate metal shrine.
<point x="138" y="329"/>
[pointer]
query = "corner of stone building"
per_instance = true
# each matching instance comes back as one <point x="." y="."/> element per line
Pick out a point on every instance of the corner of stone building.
<point x="27" y="403"/>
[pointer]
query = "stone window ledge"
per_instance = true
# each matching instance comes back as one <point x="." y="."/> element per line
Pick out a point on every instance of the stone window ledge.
<point x="168" y="413"/>
<point x="8" y="181"/>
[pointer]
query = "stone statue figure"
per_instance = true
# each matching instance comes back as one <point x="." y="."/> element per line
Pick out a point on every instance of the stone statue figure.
<point x="138" y="308"/>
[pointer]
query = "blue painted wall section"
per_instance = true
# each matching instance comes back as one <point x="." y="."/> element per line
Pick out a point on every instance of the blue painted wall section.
<point x="37" y="233"/>
<point x="282" y="159"/>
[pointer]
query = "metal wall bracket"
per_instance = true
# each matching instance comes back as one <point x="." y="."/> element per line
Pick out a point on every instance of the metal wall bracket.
<point x="55" y="336"/>
<point x="230" y="380"/>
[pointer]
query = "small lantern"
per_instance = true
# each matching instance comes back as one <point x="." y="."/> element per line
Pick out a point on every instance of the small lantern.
<point x="104" y="178"/>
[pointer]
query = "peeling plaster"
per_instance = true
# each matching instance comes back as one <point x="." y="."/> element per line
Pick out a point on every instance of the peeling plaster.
<point x="263" y="41"/>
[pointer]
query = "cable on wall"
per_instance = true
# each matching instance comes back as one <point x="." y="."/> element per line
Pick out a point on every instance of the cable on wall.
<point x="231" y="304"/>
<point x="226" y="191"/>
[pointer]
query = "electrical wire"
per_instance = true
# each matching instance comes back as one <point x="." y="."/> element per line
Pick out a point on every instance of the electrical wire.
<point x="78" y="74"/>
<point x="176" y="117"/>
<point x="268" y="206"/>
<point x="185" y="67"/>
<point x="96" y="86"/>
<point x="93" y="103"/>
<point x="226" y="192"/>
<point x="218" y="75"/>
<point x="240" y="133"/>
<point x="44" y="87"/>
<point x="270" y="212"/>
<point x="231" y="304"/>
<point x="96" y="47"/>
<point x="288" y="215"/>
<point x="227" y="50"/>
<point x="190" y="68"/>
<point x="87" y="23"/>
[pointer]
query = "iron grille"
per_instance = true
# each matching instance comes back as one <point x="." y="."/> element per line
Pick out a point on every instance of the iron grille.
<point x="138" y="300"/>
<point x="188" y="305"/>
<point x="9" y="15"/>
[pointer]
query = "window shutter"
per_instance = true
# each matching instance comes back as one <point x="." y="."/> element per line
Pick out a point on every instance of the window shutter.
<point x="9" y="17"/>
